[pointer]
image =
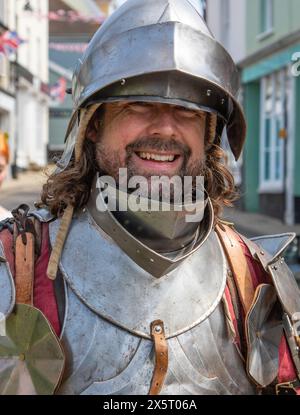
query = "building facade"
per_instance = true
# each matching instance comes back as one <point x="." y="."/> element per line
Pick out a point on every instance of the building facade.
<point x="227" y="20"/>
<point x="7" y="88"/>
<point x="31" y="81"/>
<point x="263" y="36"/>
<point x="272" y="102"/>
<point x="65" y="40"/>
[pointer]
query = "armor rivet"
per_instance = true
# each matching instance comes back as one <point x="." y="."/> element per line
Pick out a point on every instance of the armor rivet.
<point x="258" y="334"/>
<point x="151" y="260"/>
<point x="223" y="101"/>
<point x="262" y="252"/>
<point x="208" y="93"/>
<point x="138" y="251"/>
<point x="123" y="82"/>
<point x="276" y="268"/>
<point x="158" y="329"/>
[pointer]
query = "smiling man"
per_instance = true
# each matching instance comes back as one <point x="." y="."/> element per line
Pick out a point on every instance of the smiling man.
<point x="126" y="301"/>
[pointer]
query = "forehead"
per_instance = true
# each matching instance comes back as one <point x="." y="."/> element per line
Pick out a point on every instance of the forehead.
<point x="119" y="105"/>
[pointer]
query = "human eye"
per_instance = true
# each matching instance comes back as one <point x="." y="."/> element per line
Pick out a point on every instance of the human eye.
<point x="187" y="113"/>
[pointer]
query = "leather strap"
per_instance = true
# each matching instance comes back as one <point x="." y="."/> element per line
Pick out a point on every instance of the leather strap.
<point x="24" y="263"/>
<point x="161" y="357"/>
<point x="238" y="264"/>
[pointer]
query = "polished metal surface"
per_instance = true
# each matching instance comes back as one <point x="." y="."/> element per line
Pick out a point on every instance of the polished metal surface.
<point x="7" y="287"/>
<point x="274" y="245"/>
<point x="43" y="215"/>
<point x="292" y="332"/>
<point x="111" y="284"/>
<point x="163" y="227"/>
<point x="164" y="53"/>
<point x="287" y="288"/>
<point x="264" y="333"/>
<point x="31" y="357"/>
<point x="283" y="279"/>
<point x="103" y="359"/>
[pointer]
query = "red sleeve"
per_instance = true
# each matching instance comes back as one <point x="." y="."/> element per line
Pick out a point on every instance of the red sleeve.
<point x="43" y="291"/>
<point x="44" y="295"/>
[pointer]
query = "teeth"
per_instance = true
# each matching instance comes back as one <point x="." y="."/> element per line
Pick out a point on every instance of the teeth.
<point x="156" y="157"/>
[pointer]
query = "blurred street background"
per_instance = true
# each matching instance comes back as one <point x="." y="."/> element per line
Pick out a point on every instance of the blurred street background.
<point x="41" y="42"/>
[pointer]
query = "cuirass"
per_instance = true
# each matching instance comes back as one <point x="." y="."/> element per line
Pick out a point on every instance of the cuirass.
<point x="110" y="303"/>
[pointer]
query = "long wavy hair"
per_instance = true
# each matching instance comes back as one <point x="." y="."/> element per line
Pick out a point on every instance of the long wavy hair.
<point x="72" y="186"/>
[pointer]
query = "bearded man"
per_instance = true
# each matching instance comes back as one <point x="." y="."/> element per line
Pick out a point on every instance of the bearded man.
<point x="127" y="301"/>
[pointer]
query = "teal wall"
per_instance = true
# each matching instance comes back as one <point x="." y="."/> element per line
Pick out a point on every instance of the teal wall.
<point x="286" y="20"/>
<point x="270" y="64"/>
<point x="251" y="152"/>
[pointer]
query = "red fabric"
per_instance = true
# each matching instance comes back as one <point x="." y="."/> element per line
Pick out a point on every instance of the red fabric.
<point x="233" y="317"/>
<point x="43" y="295"/>
<point x="43" y="288"/>
<point x="7" y="242"/>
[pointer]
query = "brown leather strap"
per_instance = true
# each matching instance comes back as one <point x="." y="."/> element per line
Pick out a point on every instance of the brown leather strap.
<point x="238" y="264"/>
<point x="161" y="357"/>
<point x="24" y="262"/>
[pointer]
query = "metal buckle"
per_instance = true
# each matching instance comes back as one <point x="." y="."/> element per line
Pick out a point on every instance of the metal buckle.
<point x="287" y="388"/>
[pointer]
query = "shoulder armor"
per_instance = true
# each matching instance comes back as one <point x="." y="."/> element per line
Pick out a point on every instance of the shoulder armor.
<point x="7" y="286"/>
<point x="274" y="245"/>
<point x="43" y="215"/>
<point x="268" y="250"/>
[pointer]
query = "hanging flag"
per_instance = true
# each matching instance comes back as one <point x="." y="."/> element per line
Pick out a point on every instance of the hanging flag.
<point x="58" y="90"/>
<point x="69" y="47"/>
<point x="9" y="42"/>
<point x="69" y="16"/>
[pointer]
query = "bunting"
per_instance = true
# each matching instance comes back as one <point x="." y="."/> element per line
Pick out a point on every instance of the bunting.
<point x="69" y="47"/>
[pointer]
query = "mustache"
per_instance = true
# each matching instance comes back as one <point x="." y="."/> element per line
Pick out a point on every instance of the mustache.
<point x="159" y="144"/>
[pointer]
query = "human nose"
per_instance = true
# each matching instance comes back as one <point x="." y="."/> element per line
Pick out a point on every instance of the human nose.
<point x="164" y="124"/>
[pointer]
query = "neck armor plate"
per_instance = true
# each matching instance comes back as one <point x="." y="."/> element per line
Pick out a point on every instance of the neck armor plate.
<point x="157" y="241"/>
<point x="115" y="287"/>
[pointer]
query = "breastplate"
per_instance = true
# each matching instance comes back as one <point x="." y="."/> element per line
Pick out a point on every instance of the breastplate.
<point x="110" y="303"/>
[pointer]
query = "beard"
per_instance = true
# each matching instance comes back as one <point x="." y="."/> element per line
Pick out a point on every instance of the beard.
<point x="109" y="163"/>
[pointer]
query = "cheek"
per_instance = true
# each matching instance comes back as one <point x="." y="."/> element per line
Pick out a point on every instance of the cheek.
<point x="120" y="134"/>
<point x="195" y="140"/>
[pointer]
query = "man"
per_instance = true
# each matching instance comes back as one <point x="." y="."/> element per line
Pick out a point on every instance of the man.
<point x="155" y="301"/>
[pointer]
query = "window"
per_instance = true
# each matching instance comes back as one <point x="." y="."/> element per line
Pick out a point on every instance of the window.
<point x="266" y="16"/>
<point x="274" y="90"/>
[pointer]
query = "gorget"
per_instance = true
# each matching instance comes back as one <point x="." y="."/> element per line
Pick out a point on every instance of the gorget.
<point x="114" y="287"/>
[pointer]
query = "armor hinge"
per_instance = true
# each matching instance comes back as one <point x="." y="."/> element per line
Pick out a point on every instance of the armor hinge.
<point x="287" y="388"/>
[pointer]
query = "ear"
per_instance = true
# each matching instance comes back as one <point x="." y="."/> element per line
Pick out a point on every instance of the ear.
<point x="93" y="130"/>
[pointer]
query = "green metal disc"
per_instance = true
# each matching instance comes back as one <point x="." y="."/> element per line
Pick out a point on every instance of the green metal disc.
<point x="31" y="357"/>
